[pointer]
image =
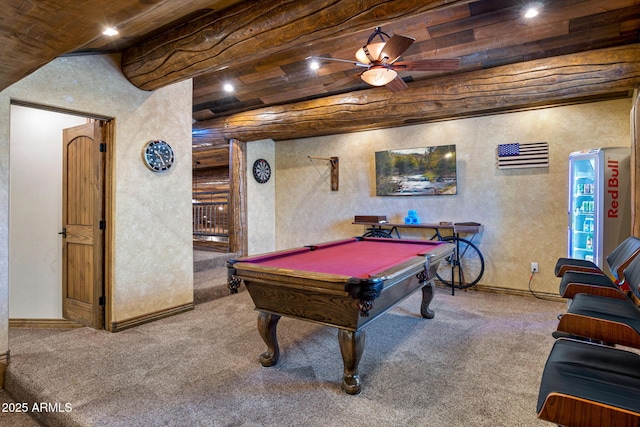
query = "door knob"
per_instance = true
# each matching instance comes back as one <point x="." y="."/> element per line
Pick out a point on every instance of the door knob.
<point x="64" y="232"/>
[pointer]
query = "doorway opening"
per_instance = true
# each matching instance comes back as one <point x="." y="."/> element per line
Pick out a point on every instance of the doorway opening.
<point x="36" y="235"/>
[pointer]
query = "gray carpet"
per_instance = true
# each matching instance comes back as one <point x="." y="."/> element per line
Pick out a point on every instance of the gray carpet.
<point x="477" y="363"/>
<point x="210" y="275"/>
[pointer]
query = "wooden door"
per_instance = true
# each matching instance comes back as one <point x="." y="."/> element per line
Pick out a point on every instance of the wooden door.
<point x="83" y="225"/>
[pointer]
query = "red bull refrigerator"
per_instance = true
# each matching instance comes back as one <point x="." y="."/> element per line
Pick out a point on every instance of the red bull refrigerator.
<point x="599" y="203"/>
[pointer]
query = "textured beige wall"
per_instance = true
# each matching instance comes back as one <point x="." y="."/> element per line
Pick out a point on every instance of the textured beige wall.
<point x="153" y="256"/>
<point x="261" y="209"/>
<point x="524" y="212"/>
<point x="5" y="109"/>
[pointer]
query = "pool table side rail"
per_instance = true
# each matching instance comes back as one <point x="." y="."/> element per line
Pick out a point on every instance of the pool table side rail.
<point x="326" y="281"/>
<point x="309" y="248"/>
<point x="293" y="251"/>
<point x="335" y="300"/>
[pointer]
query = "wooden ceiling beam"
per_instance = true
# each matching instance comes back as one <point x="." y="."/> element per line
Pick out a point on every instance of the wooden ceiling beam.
<point x="549" y="81"/>
<point x="33" y="33"/>
<point x="248" y="31"/>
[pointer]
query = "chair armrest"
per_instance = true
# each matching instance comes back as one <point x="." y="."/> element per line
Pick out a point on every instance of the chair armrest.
<point x="599" y="329"/>
<point x="565" y="410"/>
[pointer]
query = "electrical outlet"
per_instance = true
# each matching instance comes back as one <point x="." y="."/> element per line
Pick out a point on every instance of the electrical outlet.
<point x="534" y="267"/>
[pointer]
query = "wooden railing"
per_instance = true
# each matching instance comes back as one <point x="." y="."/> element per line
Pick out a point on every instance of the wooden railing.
<point x="211" y="219"/>
<point x="211" y="224"/>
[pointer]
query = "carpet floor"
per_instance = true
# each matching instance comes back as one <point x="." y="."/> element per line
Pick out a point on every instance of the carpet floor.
<point x="478" y="362"/>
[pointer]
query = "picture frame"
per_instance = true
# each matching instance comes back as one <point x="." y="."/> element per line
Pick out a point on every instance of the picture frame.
<point x="425" y="171"/>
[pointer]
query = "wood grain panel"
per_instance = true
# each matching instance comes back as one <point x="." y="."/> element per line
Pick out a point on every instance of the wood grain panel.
<point x="482" y="34"/>
<point x="563" y="79"/>
<point x="574" y="289"/>
<point x="4" y="361"/>
<point x="211" y="157"/>
<point x="599" y="330"/>
<point x="566" y="410"/>
<point x="80" y="234"/>
<point x="79" y="190"/>
<point x="79" y="262"/>
<point x="337" y="309"/>
<point x="121" y="325"/>
<point x="44" y="323"/>
<point x="220" y="41"/>
<point x="36" y="32"/>
<point x="82" y="312"/>
<point x="238" y="239"/>
<point x="263" y="51"/>
<point x="83" y="211"/>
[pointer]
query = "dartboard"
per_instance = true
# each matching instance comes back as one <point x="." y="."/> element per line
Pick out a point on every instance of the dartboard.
<point x="261" y="171"/>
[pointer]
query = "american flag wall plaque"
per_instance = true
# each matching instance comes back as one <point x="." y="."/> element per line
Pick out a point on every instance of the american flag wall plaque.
<point x="517" y="155"/>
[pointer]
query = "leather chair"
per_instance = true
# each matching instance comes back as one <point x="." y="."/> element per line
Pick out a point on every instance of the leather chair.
<point x="610" y="320"/>
<point x="590" y="385"/>
<point x="580" y="276"/>
<point x="621" y="253"/>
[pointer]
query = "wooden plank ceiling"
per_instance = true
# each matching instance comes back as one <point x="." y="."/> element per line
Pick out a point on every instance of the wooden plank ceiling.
<point x="266" y="58"/>
<point x="482" y="34"/>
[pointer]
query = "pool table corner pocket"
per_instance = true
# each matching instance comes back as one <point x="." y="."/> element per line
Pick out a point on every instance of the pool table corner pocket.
<point x="365" y="291"/>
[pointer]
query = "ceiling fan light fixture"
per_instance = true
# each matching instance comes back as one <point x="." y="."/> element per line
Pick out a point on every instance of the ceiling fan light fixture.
<point x="379" y="76"/>
<point x="374" y="50"/>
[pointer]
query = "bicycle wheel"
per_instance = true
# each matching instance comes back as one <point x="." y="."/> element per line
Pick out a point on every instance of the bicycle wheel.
<point x="467" y="269"/>
<point x="377" y="233"/>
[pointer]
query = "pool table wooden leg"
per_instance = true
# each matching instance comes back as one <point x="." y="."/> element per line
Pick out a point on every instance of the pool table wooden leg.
<point x="428" y="291"/>
<point x="267" y="324"/>
<point x="351" y="347"/>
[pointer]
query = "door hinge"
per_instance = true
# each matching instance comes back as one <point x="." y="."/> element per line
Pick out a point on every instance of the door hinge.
<point x="101" y="300"/>
<point x="103" y="147"/>
<point x="103" y="224"/>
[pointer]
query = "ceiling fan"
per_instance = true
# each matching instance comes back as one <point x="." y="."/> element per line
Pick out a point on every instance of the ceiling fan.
<point x="381" y="61"/>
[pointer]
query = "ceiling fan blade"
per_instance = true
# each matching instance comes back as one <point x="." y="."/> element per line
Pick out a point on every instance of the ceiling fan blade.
<point x="428" y="65"/>
<point x="322" y="58"/>
<point x="396" y="85"/>
<point x="394" y="47"/>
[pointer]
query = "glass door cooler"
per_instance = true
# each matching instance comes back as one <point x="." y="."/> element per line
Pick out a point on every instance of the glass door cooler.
<point x="599" y="203"/>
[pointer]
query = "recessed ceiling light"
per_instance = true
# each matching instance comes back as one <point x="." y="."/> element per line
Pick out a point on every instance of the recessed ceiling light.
<point x="314" y="65"/>
<point x="110" y="32"/>
<point x="532" y="10"/>
<point x="228" y="87"/>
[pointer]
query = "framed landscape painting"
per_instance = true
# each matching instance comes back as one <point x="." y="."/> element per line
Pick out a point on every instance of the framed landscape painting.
<point x="428" y="171"/>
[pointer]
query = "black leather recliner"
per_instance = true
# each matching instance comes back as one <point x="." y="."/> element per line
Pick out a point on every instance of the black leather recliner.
<point x="590" y="385"/>
<point x="581" y="276"/>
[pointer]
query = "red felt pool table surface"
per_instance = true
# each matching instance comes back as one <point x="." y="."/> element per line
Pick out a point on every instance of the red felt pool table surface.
<point x="360" y="258"/>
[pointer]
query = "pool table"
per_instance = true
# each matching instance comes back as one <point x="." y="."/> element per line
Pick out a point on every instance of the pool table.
<point x="345" y="284"/>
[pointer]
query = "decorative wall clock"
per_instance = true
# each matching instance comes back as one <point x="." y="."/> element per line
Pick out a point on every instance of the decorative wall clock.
<point x="261" y="171"/>
<point x="158" y="155"/>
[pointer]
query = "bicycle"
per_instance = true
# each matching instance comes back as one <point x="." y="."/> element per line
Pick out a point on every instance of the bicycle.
<point x="461" y="270"/>
<point x="466" y="264"/>
<point x="377" y="232"/>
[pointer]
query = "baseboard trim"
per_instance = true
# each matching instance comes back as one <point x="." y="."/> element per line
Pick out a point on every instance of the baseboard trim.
<point x="44" y="323"/>
<point x="506" y="291"/>
<point x="4" y="361"/>
<point x="151" y="317"/>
